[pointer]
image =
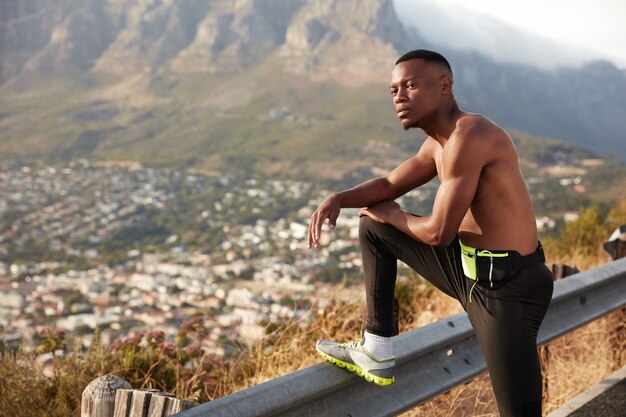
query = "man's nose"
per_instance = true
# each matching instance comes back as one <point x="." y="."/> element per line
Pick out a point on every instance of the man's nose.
<point x="400" y="96"/>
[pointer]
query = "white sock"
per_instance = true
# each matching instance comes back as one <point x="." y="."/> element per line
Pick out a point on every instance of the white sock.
<point x="379" y="346"/>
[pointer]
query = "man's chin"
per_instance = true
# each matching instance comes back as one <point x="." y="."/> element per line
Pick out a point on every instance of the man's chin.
<point x="408" y="124"/>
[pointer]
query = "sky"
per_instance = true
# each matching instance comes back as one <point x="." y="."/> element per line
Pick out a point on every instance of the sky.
<point x="596" y="29"/>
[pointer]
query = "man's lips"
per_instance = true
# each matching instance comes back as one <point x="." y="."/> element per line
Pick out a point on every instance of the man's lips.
<point x="403" y="112"/>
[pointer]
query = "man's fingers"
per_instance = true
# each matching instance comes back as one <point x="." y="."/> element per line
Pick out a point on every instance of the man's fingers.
<point x="314" y="229"/>
<point x="317" y="221"/>
<point x="318" y="227"/>
<point x="312" y="226"/>
<point x="332" y="220"/>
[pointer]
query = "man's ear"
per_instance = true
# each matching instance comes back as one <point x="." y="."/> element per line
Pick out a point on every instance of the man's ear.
<point x="446" y="84"/>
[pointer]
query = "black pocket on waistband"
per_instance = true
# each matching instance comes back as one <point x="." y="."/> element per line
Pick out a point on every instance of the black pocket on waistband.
<point x="494" y="272"/>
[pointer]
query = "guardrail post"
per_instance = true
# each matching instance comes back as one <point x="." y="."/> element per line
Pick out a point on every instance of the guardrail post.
<point x="111" y="396"/>
<point x="98" y="399"/>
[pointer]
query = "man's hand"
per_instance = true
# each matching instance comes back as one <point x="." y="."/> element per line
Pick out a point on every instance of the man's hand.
<point x="383" y="212"/>
<point x="329" y="209"/>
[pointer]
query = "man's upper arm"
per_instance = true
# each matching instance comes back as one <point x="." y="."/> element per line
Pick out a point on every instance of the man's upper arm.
<point x="415" y="171"/>
<point x="462" y="166"/>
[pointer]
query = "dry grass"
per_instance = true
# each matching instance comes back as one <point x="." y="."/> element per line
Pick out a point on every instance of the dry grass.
<point x="473" y="399"/>
<point x="584" y="357"/>
<point x="583" y="259"/>
<point x="291" y="347"/>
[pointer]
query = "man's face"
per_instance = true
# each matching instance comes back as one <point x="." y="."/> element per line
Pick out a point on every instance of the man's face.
<point x="417" y="87"/>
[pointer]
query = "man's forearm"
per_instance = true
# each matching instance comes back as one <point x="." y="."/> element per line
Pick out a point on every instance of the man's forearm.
<point x="367" y="193"/>
<point x="419" y="228"/>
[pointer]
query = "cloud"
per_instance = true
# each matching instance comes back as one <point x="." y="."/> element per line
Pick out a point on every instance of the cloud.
<point x="450" y="25"/>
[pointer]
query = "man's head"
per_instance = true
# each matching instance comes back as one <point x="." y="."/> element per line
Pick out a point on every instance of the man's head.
<point x="421" y="86"/>
<point x="431" y="57"/>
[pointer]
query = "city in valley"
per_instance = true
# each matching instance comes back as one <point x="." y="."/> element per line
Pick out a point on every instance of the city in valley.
<point x="122" y="248"/>
<point x="128" y="248"/>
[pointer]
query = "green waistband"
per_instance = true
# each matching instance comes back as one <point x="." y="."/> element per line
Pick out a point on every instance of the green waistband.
<point x="482" y="252"/>
<point x="469" y="255"/>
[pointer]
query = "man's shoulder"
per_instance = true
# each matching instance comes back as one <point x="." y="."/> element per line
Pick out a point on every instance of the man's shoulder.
<point x="480" y="140"/>
<point x="473" y="122"/>
<point x="478" y="127"/>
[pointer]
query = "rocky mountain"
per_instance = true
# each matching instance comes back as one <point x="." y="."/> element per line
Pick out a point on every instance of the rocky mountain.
<point x="126" y="36"/>
<point x="285" y="84"/>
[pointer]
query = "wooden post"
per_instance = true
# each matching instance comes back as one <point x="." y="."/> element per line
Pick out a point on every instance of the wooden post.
<point x="98" y="398"/>
<point x="616" y="245"/>
<point x="158" y="404"/>
<point x="140" y="404"/>
<point x="620" y="247"/>
<point x="111" y="396"/>
<point x="123" y="399"/>
<point x="560" y="271"/>
<point x="176" y="405"/>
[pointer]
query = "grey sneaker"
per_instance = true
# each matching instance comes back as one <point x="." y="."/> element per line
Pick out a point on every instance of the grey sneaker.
<point x="355" y="358"/>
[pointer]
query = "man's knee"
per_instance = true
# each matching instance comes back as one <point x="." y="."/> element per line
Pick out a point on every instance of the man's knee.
<point x="365" y="221"/>
<point x="373" y="231"/>
<point x="366" y="227"/>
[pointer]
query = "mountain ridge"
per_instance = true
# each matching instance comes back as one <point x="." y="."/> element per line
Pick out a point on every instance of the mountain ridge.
<point x="202" y="83"/>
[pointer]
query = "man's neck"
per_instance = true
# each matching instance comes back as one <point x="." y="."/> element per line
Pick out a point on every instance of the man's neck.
<point x="444" y="124"/>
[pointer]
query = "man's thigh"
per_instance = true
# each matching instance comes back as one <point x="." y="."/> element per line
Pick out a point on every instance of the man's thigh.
<point x="441" y="266"/>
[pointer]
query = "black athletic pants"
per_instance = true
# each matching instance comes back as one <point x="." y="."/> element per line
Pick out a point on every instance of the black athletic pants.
<point x="505" y="320"/>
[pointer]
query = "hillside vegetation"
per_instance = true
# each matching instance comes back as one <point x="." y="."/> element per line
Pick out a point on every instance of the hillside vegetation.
<point x="291" y="127"/>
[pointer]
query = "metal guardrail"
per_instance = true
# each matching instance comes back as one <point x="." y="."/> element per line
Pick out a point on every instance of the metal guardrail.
<point x="430" y="360"/>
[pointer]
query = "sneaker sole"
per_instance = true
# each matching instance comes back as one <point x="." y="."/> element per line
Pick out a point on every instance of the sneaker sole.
<point x="369" y="377"/>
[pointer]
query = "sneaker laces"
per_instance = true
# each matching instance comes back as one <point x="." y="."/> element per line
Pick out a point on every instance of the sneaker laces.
<point x="354" y="344"/>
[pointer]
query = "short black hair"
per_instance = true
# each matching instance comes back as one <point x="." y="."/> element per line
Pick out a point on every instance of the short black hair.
<point x="426" y="55"/>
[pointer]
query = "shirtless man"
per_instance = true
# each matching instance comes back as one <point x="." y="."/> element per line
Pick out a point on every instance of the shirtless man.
<point x="479" y="245"/>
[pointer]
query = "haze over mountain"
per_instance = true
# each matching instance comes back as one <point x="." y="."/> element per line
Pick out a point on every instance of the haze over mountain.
<point x="454" y="26"/>
<point x="297" y="86"/>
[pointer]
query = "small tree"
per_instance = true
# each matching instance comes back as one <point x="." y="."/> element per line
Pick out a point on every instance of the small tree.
<point x="586" y="234"/>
